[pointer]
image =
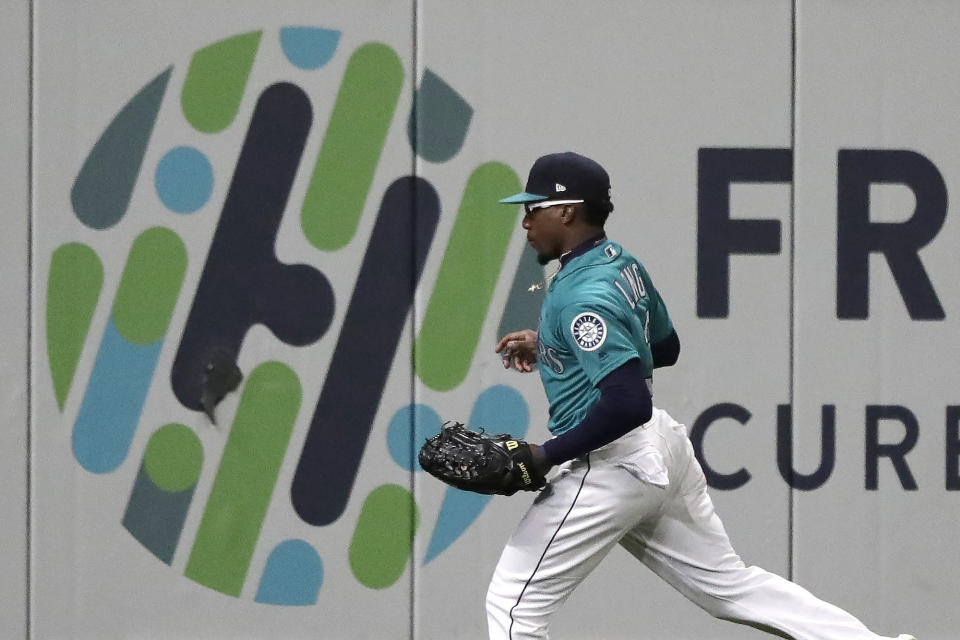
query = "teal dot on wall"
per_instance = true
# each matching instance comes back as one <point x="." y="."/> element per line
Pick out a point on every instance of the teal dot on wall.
<point x="184" y="179"/>
<point x="423" y="421"/>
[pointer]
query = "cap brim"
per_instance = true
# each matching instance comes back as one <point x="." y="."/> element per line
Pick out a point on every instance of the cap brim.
<point x="523" y="197"/>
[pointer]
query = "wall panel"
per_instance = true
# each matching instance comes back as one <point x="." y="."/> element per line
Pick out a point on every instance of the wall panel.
<point x="14" y="298"/>
<point x="198" y="153"/>
<point x="874" y="146"/>
<point x="641" y="87"/>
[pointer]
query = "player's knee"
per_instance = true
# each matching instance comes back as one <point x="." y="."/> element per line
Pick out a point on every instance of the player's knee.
<point x="498" y="604"/>
<point x="718" y="608"/>
<point x="509" y="616"/>
<point x="495" y="607"/>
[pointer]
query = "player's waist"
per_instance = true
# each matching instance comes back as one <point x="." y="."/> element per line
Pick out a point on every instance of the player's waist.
<point x="642" y="436"/>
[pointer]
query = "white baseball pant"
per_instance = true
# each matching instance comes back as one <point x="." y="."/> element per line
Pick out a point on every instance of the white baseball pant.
<point x="647" y="492"/>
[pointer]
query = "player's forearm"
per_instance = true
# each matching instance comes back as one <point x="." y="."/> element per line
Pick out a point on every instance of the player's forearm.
<point x="624" y="404"/>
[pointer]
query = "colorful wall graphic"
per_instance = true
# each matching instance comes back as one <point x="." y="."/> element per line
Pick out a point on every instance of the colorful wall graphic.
<point x="243" y="283"/>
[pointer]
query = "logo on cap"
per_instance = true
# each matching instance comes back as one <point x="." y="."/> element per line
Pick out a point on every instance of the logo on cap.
<point x="560" y="187"/>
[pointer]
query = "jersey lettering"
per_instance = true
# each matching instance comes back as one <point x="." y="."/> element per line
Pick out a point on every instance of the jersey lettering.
<point x="548" y="355"/>
<point x="633" y="288"/>
<point x="629" y="299"/>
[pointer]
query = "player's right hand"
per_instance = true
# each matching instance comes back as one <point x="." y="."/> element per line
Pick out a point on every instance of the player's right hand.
<point x="518" y="349"/>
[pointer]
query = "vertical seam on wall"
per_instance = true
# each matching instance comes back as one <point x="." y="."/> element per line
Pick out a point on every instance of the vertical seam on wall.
<point x="414" y="147"/>
<point x="793" y="208"/>
<point x="28" y="550"/>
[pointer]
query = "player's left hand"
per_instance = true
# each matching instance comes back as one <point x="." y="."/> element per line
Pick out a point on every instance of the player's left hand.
<point x="482" y="463"/>
<point x="518" y="349"/>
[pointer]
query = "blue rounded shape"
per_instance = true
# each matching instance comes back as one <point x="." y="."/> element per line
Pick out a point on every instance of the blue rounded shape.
<point x="309" y="47"/>
<point x="184" y="179"/>
<point x="501" y="409"/>
<point x="418" y="419"/>
<point x="293" y="575"/>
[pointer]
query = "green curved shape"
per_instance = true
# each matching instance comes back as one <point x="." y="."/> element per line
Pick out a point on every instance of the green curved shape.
<point x="174" y="458"/>
<point x="102" y="190"/>
<point x="73" y="289"/>
<point x="351" y="147"/>
<point x="381" y="543"/>
<point x="468" y="275"/>
<point x="149" y="286"/>
<point x="216" y="80"/>
<point x="246" y="479"/>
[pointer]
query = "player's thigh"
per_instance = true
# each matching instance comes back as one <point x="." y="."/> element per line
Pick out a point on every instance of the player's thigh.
<point x="688" y="545"/>
<point x="575" y="521"/>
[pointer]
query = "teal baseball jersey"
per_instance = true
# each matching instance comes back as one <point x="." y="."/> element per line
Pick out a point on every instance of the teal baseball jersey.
<point x="600" y="311"/>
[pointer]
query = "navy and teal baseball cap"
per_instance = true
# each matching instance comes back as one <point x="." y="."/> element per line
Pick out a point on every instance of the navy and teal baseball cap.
<point x="564" y="176"/>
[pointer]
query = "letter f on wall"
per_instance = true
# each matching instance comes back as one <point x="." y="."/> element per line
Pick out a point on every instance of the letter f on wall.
<point x="717" y="235"/>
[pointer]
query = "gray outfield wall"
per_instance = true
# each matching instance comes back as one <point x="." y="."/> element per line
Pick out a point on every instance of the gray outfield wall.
<point x="308" y="188"/>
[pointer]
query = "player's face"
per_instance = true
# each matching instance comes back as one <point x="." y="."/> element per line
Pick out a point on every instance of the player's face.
<point x="545" y="231"/>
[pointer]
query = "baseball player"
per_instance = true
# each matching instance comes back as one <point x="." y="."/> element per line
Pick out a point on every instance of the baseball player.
<point x="627" y="473"/>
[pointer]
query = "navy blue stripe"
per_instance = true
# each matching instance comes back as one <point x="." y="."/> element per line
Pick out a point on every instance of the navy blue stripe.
<point x="243" y="283"/>
<point x="547" y="548"/>
<point x="362" y="360"/>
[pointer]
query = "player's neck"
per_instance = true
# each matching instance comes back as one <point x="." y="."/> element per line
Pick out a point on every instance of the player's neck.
<point x="583" y="241"/>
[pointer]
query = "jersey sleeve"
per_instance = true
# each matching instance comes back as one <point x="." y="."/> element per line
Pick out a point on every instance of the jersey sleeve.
<point x="660" y="325"/>
<point x="600" y="335"/>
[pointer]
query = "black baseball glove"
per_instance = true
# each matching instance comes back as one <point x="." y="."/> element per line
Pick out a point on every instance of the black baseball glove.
<point x="474" y="461"/>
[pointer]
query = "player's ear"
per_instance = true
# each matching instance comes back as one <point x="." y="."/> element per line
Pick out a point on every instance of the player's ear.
<point x="568" y="214"/>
